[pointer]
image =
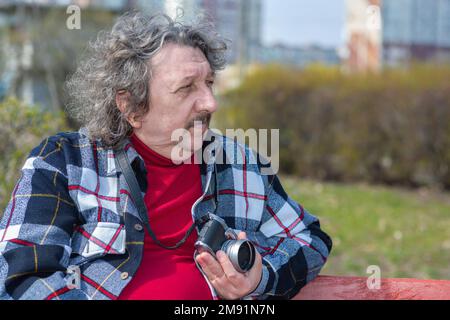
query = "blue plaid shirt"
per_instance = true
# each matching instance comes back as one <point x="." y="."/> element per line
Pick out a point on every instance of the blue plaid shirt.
<point x="72" y="207"/>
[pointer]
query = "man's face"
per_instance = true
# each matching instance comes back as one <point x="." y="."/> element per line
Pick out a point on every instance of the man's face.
<point x="180" y="93"/>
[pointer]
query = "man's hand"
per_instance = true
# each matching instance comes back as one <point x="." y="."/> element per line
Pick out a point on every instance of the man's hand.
<point x="228" y="282"/>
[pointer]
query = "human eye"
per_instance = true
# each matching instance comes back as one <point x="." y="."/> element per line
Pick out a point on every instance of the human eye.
<point x="210" y="83"/>
<point x="184" y="88"/>
<point x="188" y="86"/>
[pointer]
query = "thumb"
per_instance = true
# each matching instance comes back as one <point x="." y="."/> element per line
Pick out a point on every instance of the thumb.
<point x="242" y="235"/>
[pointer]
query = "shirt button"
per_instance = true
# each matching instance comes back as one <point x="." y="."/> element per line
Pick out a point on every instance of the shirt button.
<point x="124" y="275"/>
<point x="138" y="227"/>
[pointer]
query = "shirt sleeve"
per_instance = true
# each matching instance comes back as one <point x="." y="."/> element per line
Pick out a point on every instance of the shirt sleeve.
<point x="298" y="247"/>
<point x="36" y="230"/>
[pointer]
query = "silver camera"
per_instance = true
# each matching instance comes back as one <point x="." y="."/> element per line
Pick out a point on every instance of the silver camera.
<point x="215" y="235"/>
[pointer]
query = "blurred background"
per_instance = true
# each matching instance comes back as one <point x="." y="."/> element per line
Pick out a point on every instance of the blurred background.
<point x="360" y="90"/>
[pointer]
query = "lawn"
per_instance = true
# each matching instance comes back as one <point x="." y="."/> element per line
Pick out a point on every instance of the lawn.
<point x="405" y="232"/>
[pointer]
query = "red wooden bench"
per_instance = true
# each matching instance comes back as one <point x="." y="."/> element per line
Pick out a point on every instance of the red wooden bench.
<point x="355" y="288"/>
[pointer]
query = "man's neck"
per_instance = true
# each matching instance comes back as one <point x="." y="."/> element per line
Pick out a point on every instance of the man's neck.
<point x="168" y="151"/>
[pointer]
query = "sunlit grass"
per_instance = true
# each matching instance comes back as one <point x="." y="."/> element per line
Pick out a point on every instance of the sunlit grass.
<point x="405" y="232"/>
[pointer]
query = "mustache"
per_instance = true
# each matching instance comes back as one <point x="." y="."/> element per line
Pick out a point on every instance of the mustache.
<point x="204" y="118"/>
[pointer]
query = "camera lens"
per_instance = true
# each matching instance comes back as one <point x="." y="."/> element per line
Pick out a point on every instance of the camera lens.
<point x="244" y="256"/>
<point x="241" y="254"/>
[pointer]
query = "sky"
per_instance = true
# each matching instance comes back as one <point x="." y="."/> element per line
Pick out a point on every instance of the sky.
<point x="303" y="22"/>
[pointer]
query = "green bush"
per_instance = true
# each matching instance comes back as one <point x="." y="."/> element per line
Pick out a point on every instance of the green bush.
<point x="392" y="127"/>
<point x="22" y="128"/>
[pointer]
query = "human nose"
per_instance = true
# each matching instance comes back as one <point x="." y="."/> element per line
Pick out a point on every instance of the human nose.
<point x="207" y="101"/>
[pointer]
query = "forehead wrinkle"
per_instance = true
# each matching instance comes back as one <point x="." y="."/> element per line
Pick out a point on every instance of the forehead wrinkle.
<point x="196" y="68"/>
<point x="171" y="70"/>
<point x="172" y="52"/>
<point x="193" y="72"/>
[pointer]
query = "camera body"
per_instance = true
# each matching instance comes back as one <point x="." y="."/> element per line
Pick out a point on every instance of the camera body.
<point x="215" y="235"/>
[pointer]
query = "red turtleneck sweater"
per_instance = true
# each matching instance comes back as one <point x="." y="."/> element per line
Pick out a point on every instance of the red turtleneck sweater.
<point x="168" y="274"/>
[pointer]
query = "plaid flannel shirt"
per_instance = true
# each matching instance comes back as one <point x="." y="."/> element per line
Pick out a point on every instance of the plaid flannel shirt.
<point x="72" y="207"/>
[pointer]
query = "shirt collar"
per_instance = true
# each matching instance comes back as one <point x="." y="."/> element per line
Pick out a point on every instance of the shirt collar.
<point x="210" y="148"/>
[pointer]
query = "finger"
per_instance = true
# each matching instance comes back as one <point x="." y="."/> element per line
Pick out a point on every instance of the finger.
<point x="242" y="235"/>
<point x="257" y="266"/>
<point x="210" y="266"/>
<point x="234" y="276"/>
<point x="222" y="285"/>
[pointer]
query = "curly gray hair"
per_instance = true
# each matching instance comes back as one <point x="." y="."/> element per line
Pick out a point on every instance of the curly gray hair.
<point x="119" y="60"/>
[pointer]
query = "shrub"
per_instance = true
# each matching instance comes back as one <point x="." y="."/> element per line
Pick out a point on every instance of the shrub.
<point x="22" y="127"/>
<point x="392" y="127"/>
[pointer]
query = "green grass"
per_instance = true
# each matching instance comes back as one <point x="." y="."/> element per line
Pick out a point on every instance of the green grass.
<point x="405" y="232"/>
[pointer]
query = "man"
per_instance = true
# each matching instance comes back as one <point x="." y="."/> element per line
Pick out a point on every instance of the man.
<point x="73" y="212"/>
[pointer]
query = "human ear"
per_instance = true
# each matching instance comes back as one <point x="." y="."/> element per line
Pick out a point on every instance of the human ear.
<point x="122" y="100"/>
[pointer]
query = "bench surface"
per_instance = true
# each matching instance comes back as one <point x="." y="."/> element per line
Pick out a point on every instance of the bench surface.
<point x="356" y="288"/>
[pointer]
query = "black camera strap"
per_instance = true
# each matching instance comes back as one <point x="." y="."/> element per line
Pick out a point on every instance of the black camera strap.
<point x="125" y="167"/>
